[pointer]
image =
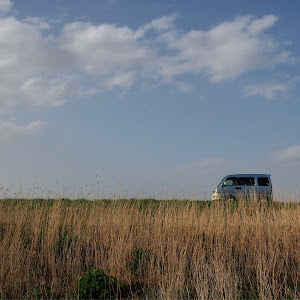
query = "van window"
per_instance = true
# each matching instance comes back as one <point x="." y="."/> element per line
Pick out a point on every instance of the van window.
<point x="263" y="181"/>
<point x="231" y="181"/>
<point x="249" y="181"/>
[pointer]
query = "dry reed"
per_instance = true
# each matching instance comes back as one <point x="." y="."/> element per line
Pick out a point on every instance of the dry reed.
<point x="195" y="249"/>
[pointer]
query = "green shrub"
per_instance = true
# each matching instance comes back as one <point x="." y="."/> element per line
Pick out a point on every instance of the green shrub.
<point x="97" y="285"/>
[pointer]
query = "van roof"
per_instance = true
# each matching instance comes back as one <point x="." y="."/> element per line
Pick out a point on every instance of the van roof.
<point x="249" y="175"/>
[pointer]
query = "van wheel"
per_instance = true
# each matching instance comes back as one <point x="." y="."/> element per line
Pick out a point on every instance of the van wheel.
<point x="230" y="197"/>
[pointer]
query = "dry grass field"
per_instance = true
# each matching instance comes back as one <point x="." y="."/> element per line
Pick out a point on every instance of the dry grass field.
<point x="153" y="249"/>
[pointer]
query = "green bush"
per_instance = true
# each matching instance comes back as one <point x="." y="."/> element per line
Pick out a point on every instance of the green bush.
<point x="97" y="285"/>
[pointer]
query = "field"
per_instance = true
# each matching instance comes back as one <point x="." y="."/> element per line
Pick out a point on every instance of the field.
<point x="149" y="249"/>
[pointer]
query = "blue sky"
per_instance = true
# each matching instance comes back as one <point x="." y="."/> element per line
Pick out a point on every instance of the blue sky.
<point x="150" y="98"/>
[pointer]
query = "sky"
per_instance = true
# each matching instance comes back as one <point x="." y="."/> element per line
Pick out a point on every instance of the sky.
<point x="140" y="98"/>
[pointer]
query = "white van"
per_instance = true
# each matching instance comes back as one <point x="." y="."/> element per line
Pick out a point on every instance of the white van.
<point x="244" y="184"/>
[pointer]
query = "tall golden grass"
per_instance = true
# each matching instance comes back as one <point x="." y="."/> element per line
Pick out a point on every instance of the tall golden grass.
<point x="202" y="250"/>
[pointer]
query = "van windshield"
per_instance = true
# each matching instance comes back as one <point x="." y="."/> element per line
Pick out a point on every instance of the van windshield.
<point x="221" y="181"/>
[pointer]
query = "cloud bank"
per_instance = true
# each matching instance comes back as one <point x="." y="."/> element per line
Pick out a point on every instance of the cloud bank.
<point x="42" y="71"/>
<point x="38" y="69"/>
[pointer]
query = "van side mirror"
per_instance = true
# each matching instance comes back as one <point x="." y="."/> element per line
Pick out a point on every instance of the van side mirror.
<point x="224" y="184"/>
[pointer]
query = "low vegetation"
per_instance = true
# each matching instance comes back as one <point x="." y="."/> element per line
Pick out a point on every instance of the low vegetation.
<point x="145" y="249"/>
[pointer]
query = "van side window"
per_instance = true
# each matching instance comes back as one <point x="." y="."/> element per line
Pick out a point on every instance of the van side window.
<point x="249" y="181"/>
<point x="263" y="181"/>
<point x="231" y="181"/>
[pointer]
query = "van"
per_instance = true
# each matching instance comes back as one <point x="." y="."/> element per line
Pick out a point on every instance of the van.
<point x="231" y="186"/>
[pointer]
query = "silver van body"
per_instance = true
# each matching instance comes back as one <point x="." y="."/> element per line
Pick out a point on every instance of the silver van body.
<point x="231" y="186"/>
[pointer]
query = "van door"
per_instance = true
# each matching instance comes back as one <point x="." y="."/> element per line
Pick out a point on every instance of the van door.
<point x="247" y="186"/>
<point x="264" y="187"/>
<point x="229" y="187"/>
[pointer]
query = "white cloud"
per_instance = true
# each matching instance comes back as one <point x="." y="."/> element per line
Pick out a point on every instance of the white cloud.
<point x="26" y="55"/>
<point x="273" y="90"/>
<point x="37" y="22"/>
<point x="49" y="92"/>
<point x="40" y="71"/>
<point x="288" y="155"/>
<point x="123" y="80"/>
<point x="184" y="87"/>
<point x="226" y="51"/>
<point x="104" y="49"/>
<point x="266" y="90"/>
<point x="262" y="24"/>
<point x="163" y="24"/>
<point x="5" y="5"/>
<point x="10" y="130"/>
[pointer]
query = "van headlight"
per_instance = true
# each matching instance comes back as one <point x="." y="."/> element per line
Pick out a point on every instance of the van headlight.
<point x="216" y="195"/>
